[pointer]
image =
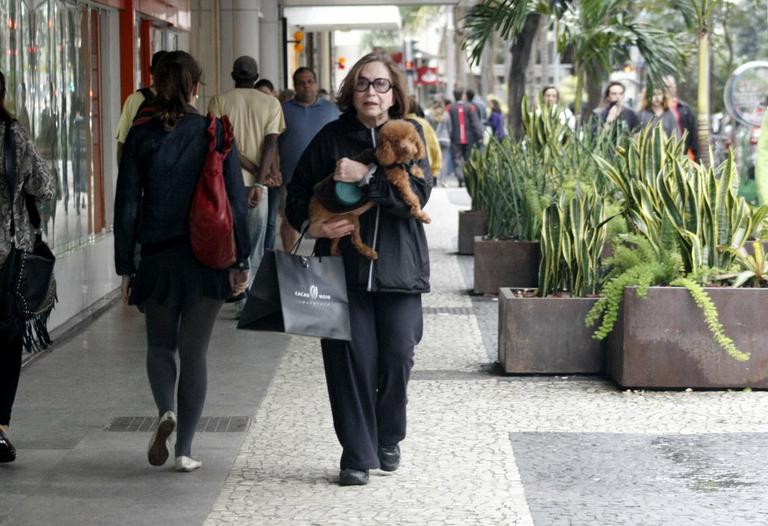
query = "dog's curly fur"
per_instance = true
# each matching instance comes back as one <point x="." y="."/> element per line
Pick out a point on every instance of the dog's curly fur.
<point x="398" y="149"/>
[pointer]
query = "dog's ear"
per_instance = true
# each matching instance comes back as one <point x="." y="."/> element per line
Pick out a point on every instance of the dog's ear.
<point x="385" y="153"/>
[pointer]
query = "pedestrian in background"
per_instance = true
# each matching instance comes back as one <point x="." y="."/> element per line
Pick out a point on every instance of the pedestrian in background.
<point x="257" y="120"/>
<point x="684" y="117"/>
<point x="550" y="99"/>
<point x="368" y="377"/>
<point x="466" y="132"/>
<point x="496" y="120"/>
<point x="441" y="121"/>
<point x="274" y="191"/>
<point x="265" y="86"/>
<point x="305" y="115"/>
<point x="31" y="177"/>
<point x="654" y="111"/>
<point x="434" y="156"/>
<point x="475" y="100"/>
<point x="613" y="113"/>
<point x="160" y="168"/>
<point x="134" y="102"/>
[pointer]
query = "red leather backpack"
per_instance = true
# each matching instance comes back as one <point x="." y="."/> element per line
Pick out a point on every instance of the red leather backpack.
<point x="210" y="217"/>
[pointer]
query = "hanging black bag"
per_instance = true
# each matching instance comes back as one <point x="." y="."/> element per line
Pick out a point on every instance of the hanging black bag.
<point x="303" y="295"/>
<point x="27" y="283"/>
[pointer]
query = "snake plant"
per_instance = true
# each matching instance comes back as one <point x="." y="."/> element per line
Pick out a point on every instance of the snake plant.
<point x="655" y="182"/>
<point x="573" y="235"/>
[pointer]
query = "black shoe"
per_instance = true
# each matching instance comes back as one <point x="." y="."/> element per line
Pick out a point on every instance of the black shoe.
<point x="353" y="477"/>
<point x="7" y="451"/>
<point x="389" y="457"/>
<point x="236" y="297"/>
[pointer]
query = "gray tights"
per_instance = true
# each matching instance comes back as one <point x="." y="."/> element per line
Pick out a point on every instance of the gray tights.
<point x="186" y="327"/>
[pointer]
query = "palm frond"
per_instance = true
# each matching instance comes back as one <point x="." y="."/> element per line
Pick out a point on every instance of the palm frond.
<point x="507" y="18"/>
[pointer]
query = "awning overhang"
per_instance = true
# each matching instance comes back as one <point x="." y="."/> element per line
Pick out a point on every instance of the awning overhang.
<point x="344" y="18"/>
<point x="310" y="3"/>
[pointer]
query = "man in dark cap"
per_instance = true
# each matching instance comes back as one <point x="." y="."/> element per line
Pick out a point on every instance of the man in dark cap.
<point x="132" y="104"/>
<point x="257" y="119"/>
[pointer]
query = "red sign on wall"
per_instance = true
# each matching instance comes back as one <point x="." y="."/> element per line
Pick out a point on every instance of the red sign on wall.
<point x="426" y="76"/>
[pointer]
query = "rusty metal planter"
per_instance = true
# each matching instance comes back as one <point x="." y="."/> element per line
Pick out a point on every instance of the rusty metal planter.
<point x="471" y="223"/>
<point x="547" y="335"/>
<point x="662" y="340"/>
<point x="505" y="263"/>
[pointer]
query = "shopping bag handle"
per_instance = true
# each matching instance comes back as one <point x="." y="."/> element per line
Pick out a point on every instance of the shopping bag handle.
<point x="296" y="245"/>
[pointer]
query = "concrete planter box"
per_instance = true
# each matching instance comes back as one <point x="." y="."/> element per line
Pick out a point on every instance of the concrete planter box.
<point x="547" y="335"/>
<point x="662" y="340"/>
<point x="505" y="263"/>
<point x="472" y="223"/>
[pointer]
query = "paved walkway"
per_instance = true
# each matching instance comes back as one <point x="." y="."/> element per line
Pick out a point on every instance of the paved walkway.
<point x="482" y="449"/>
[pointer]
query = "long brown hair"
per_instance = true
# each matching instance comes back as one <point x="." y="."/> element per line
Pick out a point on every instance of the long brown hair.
<point x="399" y="92"/>
<point x="646" y="97"/>
<point x="4" y="115"/>
<point x="175" y="78"/>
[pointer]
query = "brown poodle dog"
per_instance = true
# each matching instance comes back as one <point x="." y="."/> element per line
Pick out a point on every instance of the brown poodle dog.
<point x="399" y="148"/>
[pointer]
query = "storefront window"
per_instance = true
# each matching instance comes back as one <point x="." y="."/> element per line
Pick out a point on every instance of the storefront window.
<point x="51" y="61"/>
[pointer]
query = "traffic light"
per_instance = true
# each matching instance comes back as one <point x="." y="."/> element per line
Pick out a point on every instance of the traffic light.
<point x="342" y="62"/>
<point x="298" y="37"/>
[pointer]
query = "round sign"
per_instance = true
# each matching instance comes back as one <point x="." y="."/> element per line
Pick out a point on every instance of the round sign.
<point x="746" y="93"/>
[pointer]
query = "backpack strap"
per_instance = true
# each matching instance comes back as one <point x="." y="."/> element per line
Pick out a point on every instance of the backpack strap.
<point x="146" y="111"/>
<point x="149" y="95"/>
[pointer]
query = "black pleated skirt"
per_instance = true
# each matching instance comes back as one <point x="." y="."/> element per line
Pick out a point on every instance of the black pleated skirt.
<point x="169" y="274"/>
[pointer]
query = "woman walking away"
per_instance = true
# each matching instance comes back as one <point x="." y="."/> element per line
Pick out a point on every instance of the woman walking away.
<point x="367" y="377"/>
<point x="496" y="120"/>
<point x="30" y="177"/>
<point x="162" y="161"/>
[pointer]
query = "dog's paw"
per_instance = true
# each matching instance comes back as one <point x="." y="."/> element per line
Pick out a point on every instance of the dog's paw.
<point x="422" y="216"/>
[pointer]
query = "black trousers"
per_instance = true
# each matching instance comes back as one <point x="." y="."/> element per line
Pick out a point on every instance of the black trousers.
<point x="368" y="377"/>
<point x="10" y="370"/>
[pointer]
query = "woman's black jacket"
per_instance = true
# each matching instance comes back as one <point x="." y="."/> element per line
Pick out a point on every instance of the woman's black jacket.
<point x="403" y="264"/>
<point x="157" y="178"/>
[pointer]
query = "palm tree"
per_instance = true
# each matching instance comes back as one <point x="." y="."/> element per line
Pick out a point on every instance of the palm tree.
<point x="698" y="17"/>
<point x="600" y="32"/>
<point x="515" y="20"/>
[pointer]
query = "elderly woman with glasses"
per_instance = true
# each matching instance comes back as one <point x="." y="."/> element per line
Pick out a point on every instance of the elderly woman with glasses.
<point x="368" y="376"/>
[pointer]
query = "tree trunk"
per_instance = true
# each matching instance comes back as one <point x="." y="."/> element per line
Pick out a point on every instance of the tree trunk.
<point x="521" y="54"/>
<point x="703" y="98"/>
<point x="487" y="79"/>
<point x="594" y="92"/>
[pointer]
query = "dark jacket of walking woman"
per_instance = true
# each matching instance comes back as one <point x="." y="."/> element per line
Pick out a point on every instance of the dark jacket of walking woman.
<point x="33" y="178"/>
<point x="367" y="377"/>
<point x="162" y="160"/>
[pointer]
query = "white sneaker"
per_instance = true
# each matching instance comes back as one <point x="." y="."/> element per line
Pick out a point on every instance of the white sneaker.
<point x="187" y="464"/>
<point x="160" y="443"/>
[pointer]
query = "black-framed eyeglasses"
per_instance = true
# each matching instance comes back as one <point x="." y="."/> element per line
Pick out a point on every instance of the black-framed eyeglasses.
<point x="379" y="85"/>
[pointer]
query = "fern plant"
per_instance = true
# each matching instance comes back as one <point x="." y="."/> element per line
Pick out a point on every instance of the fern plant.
<point x="636" y="262"/>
